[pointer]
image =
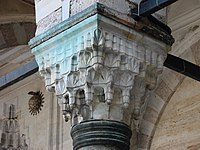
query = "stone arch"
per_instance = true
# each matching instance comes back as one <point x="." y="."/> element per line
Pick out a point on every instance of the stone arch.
<point x="17" y="27"/>
<point x="17" y="22"/>
<point x="156" y="106"/>
<point x="169" y="81"/>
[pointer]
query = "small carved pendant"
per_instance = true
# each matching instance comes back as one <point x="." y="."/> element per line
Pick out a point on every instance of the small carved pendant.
<point x="35" y="102"/>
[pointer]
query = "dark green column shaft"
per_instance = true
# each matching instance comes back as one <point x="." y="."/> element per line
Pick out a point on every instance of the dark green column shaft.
<point x="101" y="135"/>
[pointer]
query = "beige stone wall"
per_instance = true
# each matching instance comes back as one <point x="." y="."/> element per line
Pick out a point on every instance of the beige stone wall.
<point x="177" y="125"/>
<point x="47" y="130"/>
<point x="178" y="128"/>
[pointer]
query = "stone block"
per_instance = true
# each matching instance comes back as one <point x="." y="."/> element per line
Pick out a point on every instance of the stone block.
<point x="195" y="50"/>
<point x="45" y="7"/>
<point x="178" y="127"/>
<point x="150" y="115"/>
<point x="163" y="91"/>
<point x="143" y="141"/>
<point x="171" y="78"/>
<point x="146" y="127"/>
<point x="49" y="21"/>
<point x="155" y="102"/>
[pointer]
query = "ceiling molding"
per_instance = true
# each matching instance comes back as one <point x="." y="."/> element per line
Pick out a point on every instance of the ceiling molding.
<point x="17" y="18"/>
<point x="28" y="2"/>
<point x="184" y="19"/>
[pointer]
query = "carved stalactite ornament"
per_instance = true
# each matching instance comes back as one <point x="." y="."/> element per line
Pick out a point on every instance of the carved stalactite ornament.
<point x="35" y="102"/>
<point x="101" y="69"/>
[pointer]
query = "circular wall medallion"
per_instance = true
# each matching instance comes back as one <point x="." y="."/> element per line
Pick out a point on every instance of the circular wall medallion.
<point x="35" y="102"/>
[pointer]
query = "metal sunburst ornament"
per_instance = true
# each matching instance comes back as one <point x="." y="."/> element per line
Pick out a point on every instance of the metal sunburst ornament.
<point x="35" y="102"/>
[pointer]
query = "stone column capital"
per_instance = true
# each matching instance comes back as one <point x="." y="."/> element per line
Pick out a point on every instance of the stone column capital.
<point x="100" y="67"/>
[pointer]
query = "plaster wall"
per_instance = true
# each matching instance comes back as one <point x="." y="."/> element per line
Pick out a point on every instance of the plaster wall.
<point x="45" y="131"/>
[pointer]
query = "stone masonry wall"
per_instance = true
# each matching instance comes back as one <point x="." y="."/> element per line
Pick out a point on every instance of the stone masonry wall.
<point x="177" y="125"/>
<point x="178" y="128"/>
<point x="45" y="131"/>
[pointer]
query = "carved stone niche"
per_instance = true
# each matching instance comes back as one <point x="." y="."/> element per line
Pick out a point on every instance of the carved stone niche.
<point x="10" y="138"/>
<point x="100" y="68"/>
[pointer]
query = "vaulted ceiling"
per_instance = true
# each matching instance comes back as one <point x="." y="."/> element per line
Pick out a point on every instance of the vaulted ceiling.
<point x="17" y="27"/>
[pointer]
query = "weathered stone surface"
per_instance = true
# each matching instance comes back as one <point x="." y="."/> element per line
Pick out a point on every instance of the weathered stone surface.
<point x="178" y="128"/>
<point x="189" y="56"/>
<point x="14" y="37"/>
<point x="163" y="91"/>
<point x="155" y="102"/>
<point x="150" y="115"/>
<point x="13" y="57"/>
<point x="177" y="17"/>
<point x="8" y="34"/>
<point x="194" y="147"/>
<point x="171" y="78"/>
<point x="158" y="102"/>
<point x="185" y="27"/>
<point x="43" y="131"/>
<point x="143" y="141"/>
<point x="10" y="131"/>
<point x="46" y="7"/>
<point x="146" y="127"/>
<point x="122" y="6"/>
<point x="195" y="50"/>
<point x="49" y="21"/>
<point x="47" y="11"/>
<point x="100" y="67"/>
<point x="16" y="11"/>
